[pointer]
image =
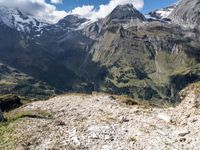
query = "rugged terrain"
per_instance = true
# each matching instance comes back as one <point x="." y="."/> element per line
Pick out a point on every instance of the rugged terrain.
<point x="150" y="58"/>
<point x="101" y="121"/>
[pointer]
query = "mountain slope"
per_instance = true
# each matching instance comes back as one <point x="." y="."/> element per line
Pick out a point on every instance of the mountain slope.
<point x="20" y="21"/>
<point x="142" y="62"/>
<point x="38" y="56"/>
<point x="124" y="53"/>
<point x="187" y="12"/>
<point x="161" y="13"/>
<point x="13" y="81"/>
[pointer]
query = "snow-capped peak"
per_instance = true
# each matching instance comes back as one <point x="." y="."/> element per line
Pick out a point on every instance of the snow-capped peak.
<point x="162" y="13"/>
<point x="14" y="18"/>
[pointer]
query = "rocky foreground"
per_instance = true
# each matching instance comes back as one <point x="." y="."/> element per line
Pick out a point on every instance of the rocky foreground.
<point x="104" y="122"/>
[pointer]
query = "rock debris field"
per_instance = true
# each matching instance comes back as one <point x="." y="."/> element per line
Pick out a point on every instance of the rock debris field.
<point x="103" y="122"/>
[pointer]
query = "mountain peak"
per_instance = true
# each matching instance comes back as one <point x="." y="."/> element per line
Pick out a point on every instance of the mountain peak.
<point x="123" y="12"/>
<point x="72" y="21"/>
<point x="162" y="13"/>
<point x="125" y="7"/>
<point x="15" y="18"/>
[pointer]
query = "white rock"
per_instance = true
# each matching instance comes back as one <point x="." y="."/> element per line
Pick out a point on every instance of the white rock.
<point x="164" y="117"/>
<point x="93" y="136"/>
<point x="106" y="147"/>
<point x="76" y="141"/>
<point x="161" y="132"/>
<point x="107" y="137"/>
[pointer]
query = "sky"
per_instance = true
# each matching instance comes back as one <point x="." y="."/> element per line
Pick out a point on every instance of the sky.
<point x="53" y="10"/>
<point x="149" y="5"/>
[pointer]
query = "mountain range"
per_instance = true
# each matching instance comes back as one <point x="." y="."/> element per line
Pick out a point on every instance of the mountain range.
<point x="149" y="57"/>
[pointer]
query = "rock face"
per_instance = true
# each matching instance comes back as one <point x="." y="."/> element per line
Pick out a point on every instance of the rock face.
<point x="9" y="102"/>
<point x="124" y="13"/>
<point x="191" y="96"/>
<point x="123" y="53"/>
<point x="16" y="19"/>
<point x="187" y="12"/>
<point x="72" y="21"/>
<point x="101" y="121"/>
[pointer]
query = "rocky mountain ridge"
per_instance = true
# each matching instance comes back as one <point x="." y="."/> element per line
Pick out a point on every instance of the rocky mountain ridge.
<point x="16" y="19"/>
<point x="161" y="14"/>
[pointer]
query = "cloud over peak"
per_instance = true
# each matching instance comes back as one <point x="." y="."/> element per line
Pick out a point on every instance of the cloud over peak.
<point x="38" y="8"/>
<point x="90" y="12"/>
<point x="49" y="13"/>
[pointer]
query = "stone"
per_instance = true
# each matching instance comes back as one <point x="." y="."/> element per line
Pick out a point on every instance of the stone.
<point x="184" y="133"/>
<point x="182" y="139"/>
<point x="9" y="102"/>
<point x="124" y="119"/>
<point x="106" y="147"/>
<point x="93" y="136"/>
<point x="107" y="137"/>
<point x="165" y="117"/>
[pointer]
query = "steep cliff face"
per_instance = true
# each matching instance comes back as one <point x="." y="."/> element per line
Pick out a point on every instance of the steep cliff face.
<point x="187" y="13"/>
<point x="147" y="61"/>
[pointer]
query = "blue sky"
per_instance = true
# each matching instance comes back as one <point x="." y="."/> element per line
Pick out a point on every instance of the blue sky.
<point x="149" y="5"/>
<point x="53" y="10"/>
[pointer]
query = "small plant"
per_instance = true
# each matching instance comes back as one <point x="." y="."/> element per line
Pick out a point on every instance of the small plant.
<point x="145" y="130"/>
<point x="132" y="139"/>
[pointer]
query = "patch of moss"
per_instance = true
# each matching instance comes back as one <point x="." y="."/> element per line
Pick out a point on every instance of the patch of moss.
<point x="7" y="140"/>
<point x="4" y="82"/>
<point x="129" y="101"/>
<point x="196" y="87"/>
<point x="132" y="139"/>
<point x="18" y="114"/>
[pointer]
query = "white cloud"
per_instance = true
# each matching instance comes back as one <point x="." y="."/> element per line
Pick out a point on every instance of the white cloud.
<point x="48" y="12"/>
<point x="90" y="12"/>
<point x="37" y="8"/>
<point x="56" y="1"/>
<point x="85" y="11"/>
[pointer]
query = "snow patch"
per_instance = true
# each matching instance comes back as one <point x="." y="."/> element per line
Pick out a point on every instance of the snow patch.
<point x="13" y="18"/>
